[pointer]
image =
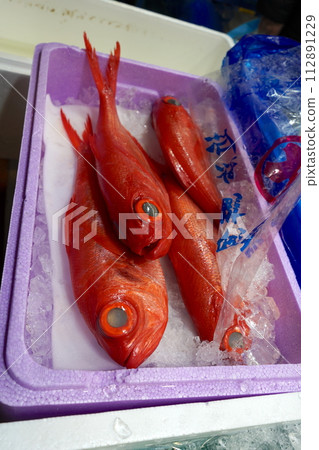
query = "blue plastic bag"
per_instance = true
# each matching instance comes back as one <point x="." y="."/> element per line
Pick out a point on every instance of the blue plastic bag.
<point x="263" y="85"/>
<point x="262" y="89"/>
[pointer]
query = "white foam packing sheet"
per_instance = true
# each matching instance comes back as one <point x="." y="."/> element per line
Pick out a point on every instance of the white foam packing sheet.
<point x="73" y="345"/>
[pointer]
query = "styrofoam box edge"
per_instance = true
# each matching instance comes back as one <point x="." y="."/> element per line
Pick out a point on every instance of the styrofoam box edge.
<point x="148" y="425"/>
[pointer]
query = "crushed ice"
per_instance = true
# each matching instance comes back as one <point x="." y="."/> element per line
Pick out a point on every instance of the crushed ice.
<point x="39" y="306"/>
<point x="285" y="436"/>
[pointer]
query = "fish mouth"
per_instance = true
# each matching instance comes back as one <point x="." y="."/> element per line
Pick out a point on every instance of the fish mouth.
<point x="156" y="249"/>
<point x="149" y="248"/>
<point x="137" y="355"/>
<point x="145" y="250"/>
<point x="135" y="360"/>
<point x="144" y="347"/>
<point x="130" y="361"/>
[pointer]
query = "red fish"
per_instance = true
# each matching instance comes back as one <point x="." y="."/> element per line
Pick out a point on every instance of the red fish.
<point x="193" y="256"/>
<point x="185" y="152"/>
<point x="128" y="182"/>
<point x="121" y="296"/>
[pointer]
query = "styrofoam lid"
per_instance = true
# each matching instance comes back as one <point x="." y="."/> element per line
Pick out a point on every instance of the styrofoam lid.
<point x="144" y="36"/>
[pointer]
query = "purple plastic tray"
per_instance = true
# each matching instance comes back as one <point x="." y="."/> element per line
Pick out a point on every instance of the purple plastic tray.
<point x="29" y="390"/>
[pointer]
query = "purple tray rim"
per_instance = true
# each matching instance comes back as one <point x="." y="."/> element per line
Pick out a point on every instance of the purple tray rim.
<point x="17" y="376"/>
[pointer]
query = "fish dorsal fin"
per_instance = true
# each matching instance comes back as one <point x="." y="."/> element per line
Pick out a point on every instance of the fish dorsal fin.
<point x="72" y="134"/>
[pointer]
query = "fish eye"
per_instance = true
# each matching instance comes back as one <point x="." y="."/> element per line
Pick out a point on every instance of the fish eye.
<point x="150" y="209"/>
<point x="172" y="101"/>
<point x="117" y="319"/>
<point x="147" y="209"/>
<point x="235" y="339"/>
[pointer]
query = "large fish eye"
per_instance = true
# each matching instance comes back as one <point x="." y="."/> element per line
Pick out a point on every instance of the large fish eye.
<point x="117" y="319"/>
<point x="147" y="209"/>
<point x="235" y="339"/>
<point x="150" y="209"/>
<point x="171" y="101"/>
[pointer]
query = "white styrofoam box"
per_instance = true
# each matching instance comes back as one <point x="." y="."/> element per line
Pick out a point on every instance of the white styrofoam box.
<point x="144" y="35"/>
<point x="137" y="427"/>
<point x="15" y="64"/>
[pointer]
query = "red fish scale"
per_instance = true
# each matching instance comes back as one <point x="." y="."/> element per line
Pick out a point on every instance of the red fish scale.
<point x="200" y="282"/>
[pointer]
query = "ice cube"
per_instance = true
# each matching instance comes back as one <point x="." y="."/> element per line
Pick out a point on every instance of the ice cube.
<point x="46" y="263"/>
<point x="121" y="428"/>
<point x="39" y="303"/>
<point x="40" y="202"/>
<point x="261" y="352"/>
<point x="207" y="353"/>
<point x="39" y="235"/>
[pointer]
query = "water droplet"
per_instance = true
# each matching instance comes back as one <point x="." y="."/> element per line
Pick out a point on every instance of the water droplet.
<point x="106" y="392"/>
<point x="121" y="428"/>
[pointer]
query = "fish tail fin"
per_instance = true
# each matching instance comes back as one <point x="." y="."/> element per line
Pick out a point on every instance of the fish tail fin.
<point x="111" y="70"/>
<point x="70" y="131"/>
<point x="88" y="130"/>
<point x="113" y="66"/>
<point x="82" y="146"/>
<point x="94" y="64"/>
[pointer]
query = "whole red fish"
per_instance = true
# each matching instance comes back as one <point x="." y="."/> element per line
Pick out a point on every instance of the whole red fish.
<point x="185" y="152"/>
<point x="121" y="296"/>
<point x="193" y="255"/>
<point x="134" y="194"/>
